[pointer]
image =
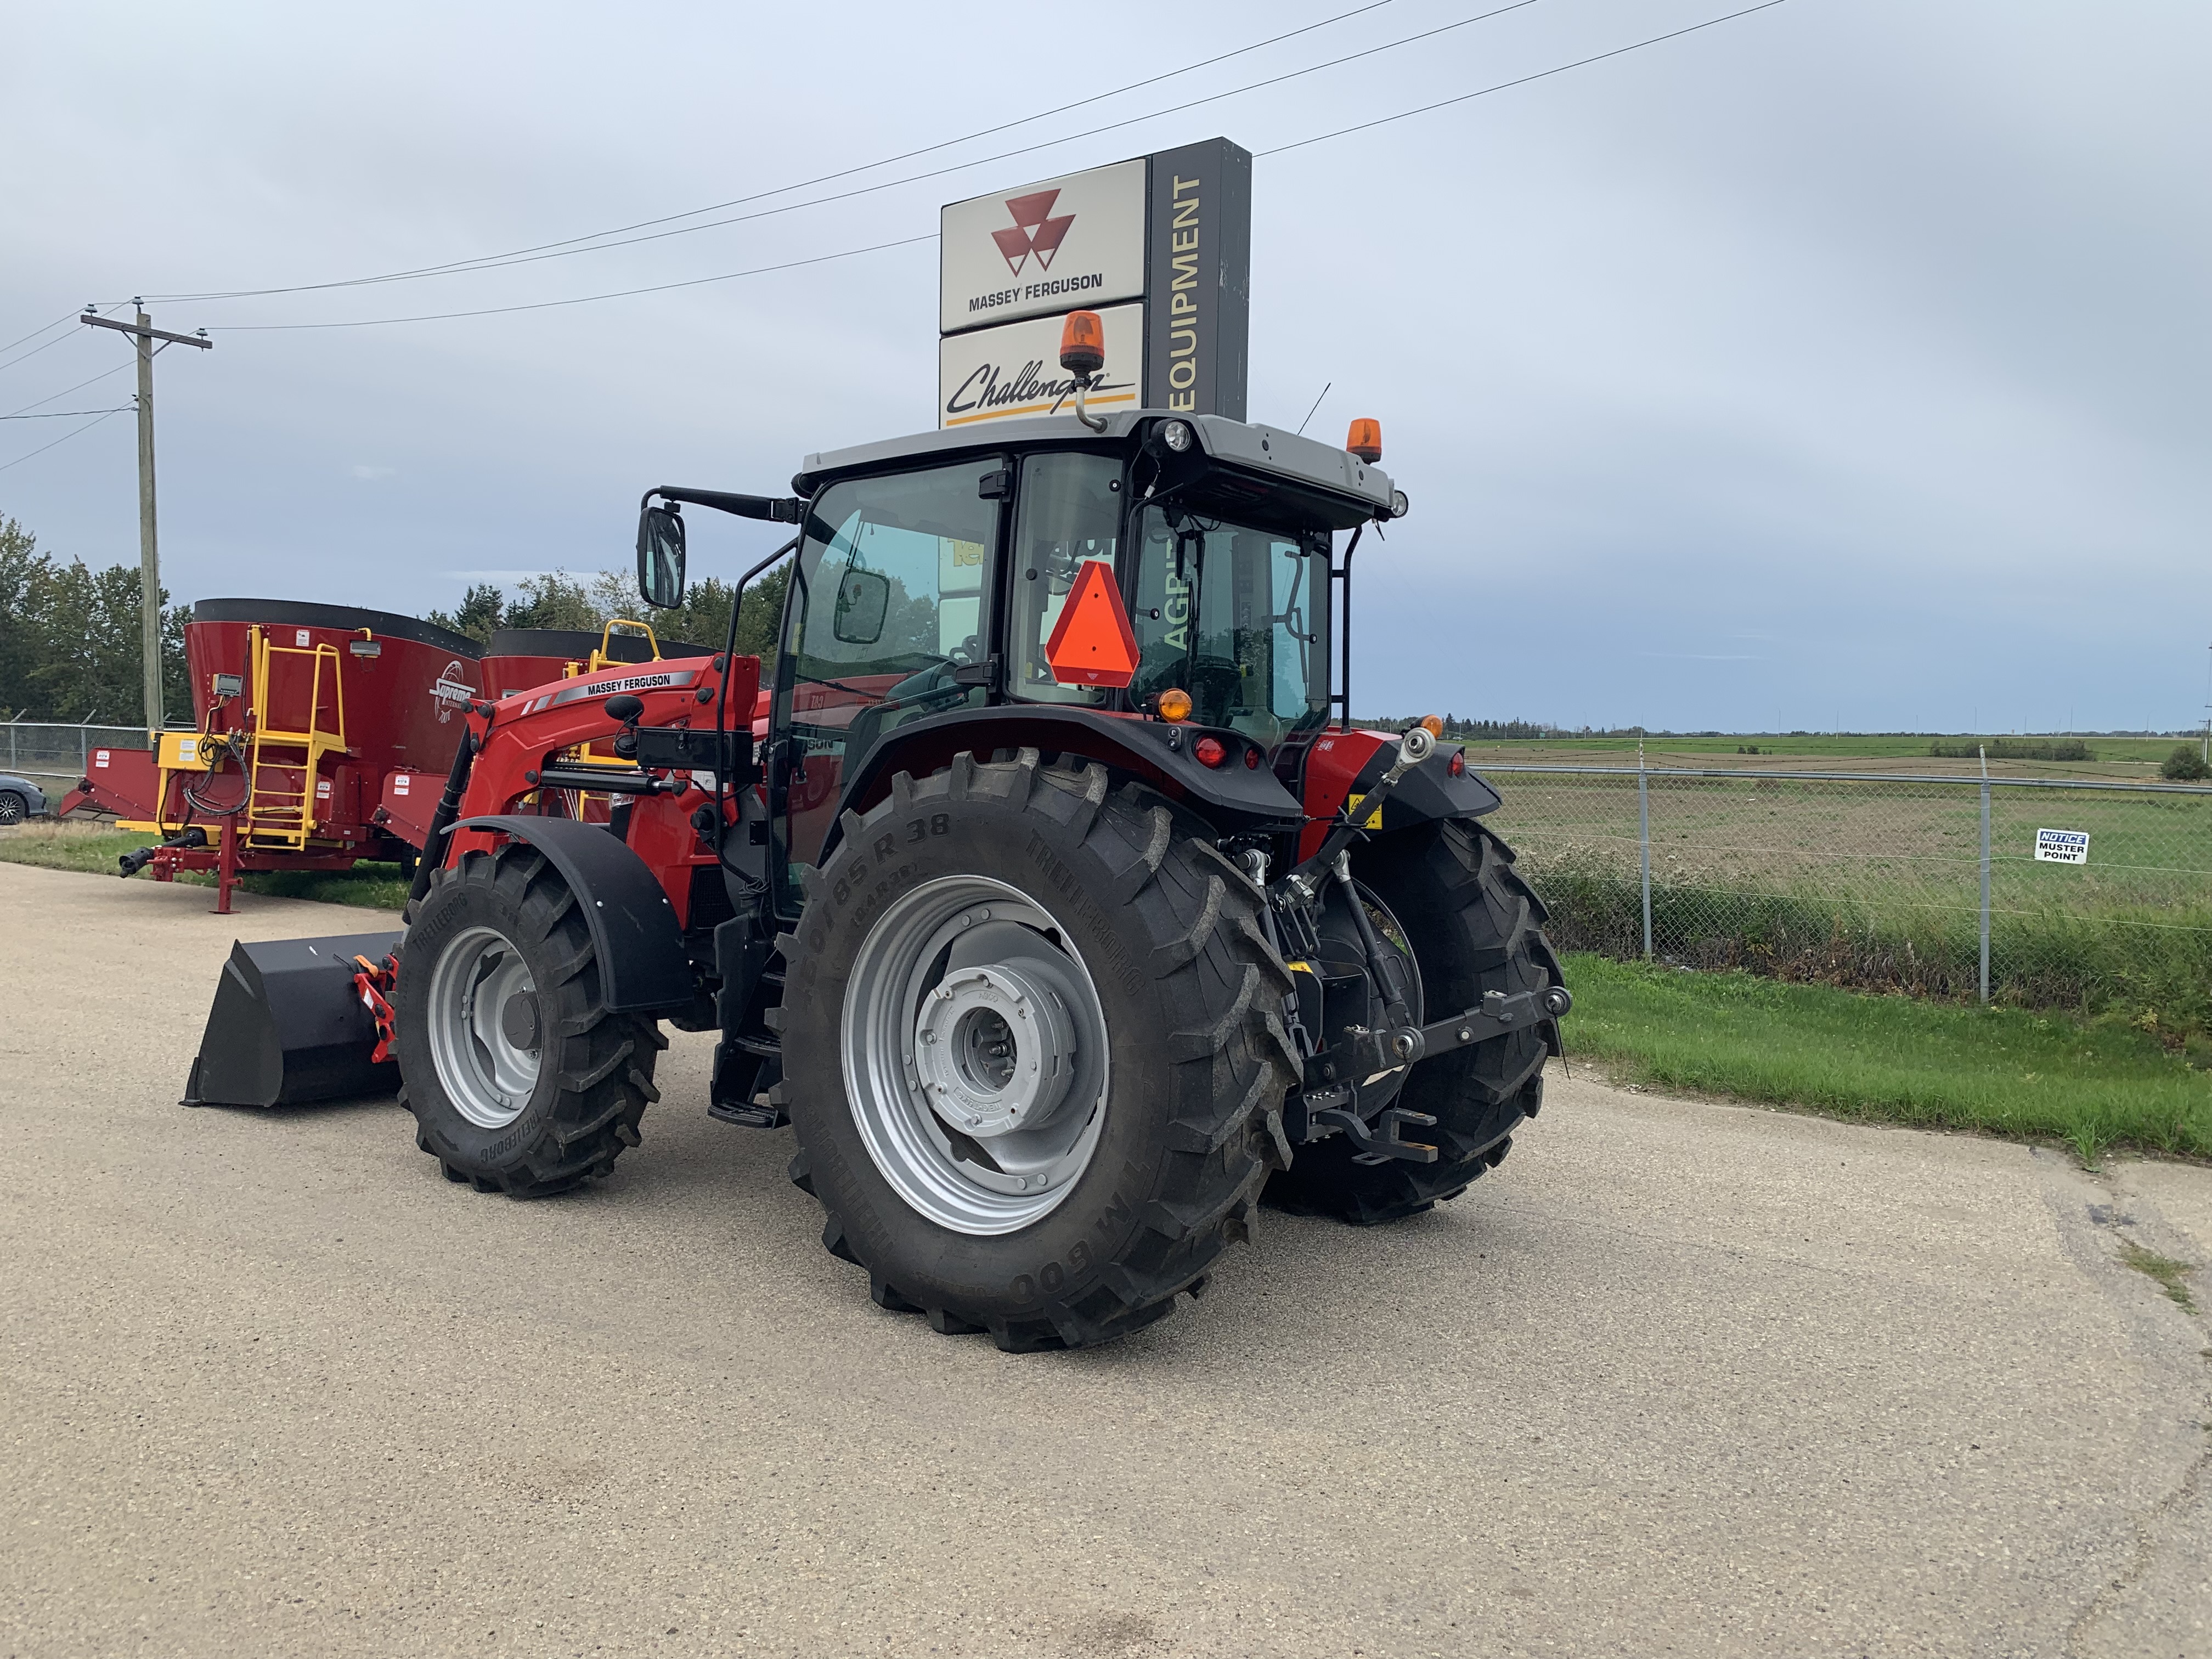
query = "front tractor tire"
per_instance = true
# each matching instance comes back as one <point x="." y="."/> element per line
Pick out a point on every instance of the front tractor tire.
<point x="1030" y="1051"/>
<point x="1473" y="926"/>
<point x="520" y="1081"/>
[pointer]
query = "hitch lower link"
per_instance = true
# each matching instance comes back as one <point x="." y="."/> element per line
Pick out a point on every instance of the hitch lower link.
<point x="1320" y="1112"/>
<point x="1384" y="1051"/>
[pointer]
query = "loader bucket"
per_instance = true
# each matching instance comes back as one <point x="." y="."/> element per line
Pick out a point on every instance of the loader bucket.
<point x="289" y="1025"/>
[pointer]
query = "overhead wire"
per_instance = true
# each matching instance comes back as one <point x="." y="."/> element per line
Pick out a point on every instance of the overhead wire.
<point x="581" y="299"/>
<point x="662" y="287"/>
<point x="63" y="438"/>
<point x="1522" y="80"/>
<point x="58" y="339"/>
<point x="103" y="374"/>
<point x="601" y="246"/>
<point x="489" y="260"/>
<point x="67" y="414"/>
<point x="68" y="317"/>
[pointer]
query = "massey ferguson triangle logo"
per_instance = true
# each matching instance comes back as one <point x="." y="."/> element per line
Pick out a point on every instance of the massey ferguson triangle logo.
<point x="1035" y="230"/>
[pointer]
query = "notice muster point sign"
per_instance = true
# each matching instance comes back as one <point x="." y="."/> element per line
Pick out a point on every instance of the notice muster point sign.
<point x="2062" y="846"/>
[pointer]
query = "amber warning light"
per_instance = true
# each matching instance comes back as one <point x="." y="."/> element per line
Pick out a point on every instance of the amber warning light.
<point x="1082" y="343"/>
<point x="1092" y="643"/>
<point x="1365" y="440"/>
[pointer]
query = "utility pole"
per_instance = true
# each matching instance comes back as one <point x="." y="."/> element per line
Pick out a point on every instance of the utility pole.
<point x="149" y="559"/>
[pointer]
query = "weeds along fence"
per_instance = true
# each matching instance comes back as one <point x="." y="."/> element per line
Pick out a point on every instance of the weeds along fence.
<point x="1928" y="884"/>
<point x="47" y="749"/>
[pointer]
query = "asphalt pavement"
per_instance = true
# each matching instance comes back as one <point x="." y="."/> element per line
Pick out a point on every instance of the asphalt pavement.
<point x="1679" y="1378"/>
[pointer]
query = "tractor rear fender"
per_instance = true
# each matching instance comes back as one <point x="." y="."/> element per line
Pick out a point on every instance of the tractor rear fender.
<point x="643" y="966"/>
<point x="1340" y="764"/>
<point x="1235" y="795"/>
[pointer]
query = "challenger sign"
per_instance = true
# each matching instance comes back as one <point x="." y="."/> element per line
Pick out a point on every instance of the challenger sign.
<point x="1160" y="247"/>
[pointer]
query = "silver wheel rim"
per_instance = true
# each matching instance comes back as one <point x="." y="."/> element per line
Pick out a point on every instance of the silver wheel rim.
<point x="486" y="1027"/>
<point x="11" y="809"/>
<point x="974" y="1054"/>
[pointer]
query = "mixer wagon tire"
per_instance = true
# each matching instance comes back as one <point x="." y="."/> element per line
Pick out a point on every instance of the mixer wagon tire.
<point x="13" y="806"/>
<point x="520" y="1081"/>
<point x="1474" y="926"/>
<point x="1032" y="1051"/>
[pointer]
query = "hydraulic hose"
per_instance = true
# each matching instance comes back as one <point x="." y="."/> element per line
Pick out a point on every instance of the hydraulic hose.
<point x="433" y="858"/>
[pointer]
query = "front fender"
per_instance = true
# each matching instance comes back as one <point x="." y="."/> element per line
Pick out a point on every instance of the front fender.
<point x="643" y="966"/>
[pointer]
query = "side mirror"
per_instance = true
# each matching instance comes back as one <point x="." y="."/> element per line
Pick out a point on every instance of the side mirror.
<point x="660" y="558"/>
<point x="864" y="598"/>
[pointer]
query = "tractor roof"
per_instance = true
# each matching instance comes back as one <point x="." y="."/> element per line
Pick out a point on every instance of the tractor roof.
<point x="1265" y="449"/>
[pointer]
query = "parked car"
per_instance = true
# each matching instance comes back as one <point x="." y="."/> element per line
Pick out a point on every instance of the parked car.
<point x="20" y="799"/>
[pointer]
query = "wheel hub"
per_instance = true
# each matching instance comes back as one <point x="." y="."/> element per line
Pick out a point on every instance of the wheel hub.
<point x="994" y="1048"/>
<point x="974" y="1054"/>
<point x="485" y="1027"/>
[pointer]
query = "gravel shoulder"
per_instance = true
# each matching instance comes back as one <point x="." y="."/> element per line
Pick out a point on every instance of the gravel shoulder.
<point x="1680" y="1377"/>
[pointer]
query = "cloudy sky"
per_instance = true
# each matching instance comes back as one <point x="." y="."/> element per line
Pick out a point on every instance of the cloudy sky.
<point x="1844" y="364"/>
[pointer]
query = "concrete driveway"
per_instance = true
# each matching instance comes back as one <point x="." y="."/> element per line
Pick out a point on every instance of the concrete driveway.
<point x="1679" y="1378"/>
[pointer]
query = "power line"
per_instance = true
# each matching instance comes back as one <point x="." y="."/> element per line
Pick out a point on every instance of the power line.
<point x="663" y="287"/>
<point x="35" y="350"/>
<point x="587" y="298"/>
<point x="64" y="438"/>
<point x="491" y="261"/>
<point x="70" y="317"/>
<point x="1523" y="81"/>
<point x="67" y="414"/>
<point x="103" y="374"/>
<point x="505" y="262"/>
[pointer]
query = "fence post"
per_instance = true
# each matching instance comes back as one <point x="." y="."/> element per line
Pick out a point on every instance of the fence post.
<point x="1986" y="874"/>
<point x="1644" y="836"/>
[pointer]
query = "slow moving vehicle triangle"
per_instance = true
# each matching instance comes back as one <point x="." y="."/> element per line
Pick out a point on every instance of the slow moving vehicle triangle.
<point x="1092" y="643"/>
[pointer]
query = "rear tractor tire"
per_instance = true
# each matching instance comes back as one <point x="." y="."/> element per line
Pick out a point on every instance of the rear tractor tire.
<point x="1032" y="1053"/>
<point x="1473" y="926"/>
<point x="520" y="1081"/>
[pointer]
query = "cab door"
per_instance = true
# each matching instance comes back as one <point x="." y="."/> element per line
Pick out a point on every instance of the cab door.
<point x="891" y="595"/>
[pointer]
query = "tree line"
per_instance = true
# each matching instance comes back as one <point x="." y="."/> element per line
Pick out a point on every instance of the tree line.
<point x="70" y="634"/>
<point x="70" y="640"/>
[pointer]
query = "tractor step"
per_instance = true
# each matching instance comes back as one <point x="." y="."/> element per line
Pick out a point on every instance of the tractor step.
<point x="767" y="1044"/>
<point x="759" y="1114"/>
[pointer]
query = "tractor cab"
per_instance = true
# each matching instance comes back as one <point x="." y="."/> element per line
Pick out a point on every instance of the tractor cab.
<point x="1147" y="586"/>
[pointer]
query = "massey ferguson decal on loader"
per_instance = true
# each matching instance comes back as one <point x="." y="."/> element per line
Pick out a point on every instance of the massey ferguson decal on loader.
<point x="1031" y="896"/>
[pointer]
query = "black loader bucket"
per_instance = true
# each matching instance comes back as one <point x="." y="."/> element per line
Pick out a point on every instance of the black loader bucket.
<point x="290" y="1024"/>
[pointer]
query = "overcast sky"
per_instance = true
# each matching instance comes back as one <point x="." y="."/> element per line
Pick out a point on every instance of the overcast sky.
<point x="1844" y="364"/>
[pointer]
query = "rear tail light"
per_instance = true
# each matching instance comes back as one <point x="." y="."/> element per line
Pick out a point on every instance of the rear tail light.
<point x="1457" y="767"/>
<point x="1209" y="752"/>
<point x="1251" y="760"/>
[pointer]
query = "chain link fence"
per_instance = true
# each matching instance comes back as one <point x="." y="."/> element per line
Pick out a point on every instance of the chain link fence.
<point x="2036" y="892"/>
<point x="46" y="750"/>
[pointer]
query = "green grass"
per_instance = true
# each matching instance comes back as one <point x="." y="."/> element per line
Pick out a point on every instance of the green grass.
<point x="2172" y="1275"/>
<point x="2095" y="1085"/>
<point x="72" y="847"/>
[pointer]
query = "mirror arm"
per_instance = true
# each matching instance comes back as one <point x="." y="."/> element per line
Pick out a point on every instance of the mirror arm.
<point x="776" y="509"/>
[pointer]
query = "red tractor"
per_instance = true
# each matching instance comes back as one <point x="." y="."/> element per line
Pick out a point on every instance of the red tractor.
<point x="1043" y="899"/>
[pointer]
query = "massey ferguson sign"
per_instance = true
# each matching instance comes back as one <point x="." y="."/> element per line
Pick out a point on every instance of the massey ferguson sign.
<point x="1171" y="232"/>
<point x="1067" y="244"/>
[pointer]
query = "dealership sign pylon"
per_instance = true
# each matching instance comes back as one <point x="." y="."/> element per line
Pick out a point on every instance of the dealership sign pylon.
<point x="1160" y="247"/>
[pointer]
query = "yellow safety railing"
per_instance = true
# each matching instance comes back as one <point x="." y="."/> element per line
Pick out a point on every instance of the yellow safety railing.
<point x="276" y="814"/>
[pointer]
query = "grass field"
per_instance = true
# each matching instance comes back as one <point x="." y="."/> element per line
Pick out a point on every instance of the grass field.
<point x="1876" y="885"/>
<point x="94" y="847"/>
<point x="2117" y="759"/>
<point x="2097" y="1086"/>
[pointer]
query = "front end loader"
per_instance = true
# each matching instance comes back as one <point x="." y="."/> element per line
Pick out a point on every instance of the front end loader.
<point x="1049" y="897"/>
